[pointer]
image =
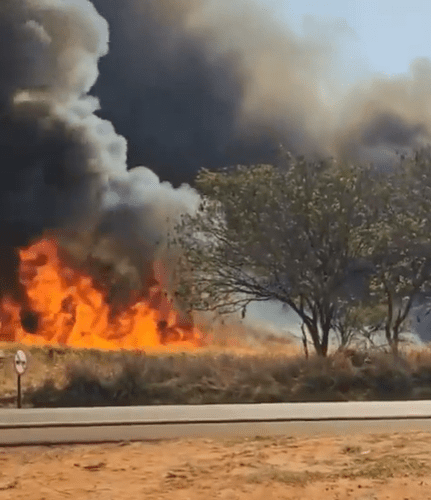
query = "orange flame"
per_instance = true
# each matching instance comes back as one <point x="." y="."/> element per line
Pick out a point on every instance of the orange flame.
<point x="72" y="311"/>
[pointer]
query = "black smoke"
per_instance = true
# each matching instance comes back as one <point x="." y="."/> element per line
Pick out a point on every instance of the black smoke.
<point x="179" y="98"/>
<point x="63" y="169"/>
<point x="44" y="162"/>
<point x="182" y="85"/>
<point x="205" y="83"/>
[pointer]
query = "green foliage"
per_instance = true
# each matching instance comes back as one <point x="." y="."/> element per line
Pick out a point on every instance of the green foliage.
<point x="400" y="243"/>
<point x="327" y="239"/>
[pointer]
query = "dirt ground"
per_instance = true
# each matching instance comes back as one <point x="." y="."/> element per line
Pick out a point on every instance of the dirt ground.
<point x="362" y="467"/>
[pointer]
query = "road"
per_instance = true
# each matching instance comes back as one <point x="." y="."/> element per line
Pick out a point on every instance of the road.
<point x="85" y="425"/>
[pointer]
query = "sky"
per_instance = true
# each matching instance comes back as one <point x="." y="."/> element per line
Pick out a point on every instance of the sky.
<point x="374" y="37"/>
<point x="377" y="36"/>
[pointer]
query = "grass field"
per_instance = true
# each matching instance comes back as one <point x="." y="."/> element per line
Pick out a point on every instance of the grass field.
<point x="276" y="373"/>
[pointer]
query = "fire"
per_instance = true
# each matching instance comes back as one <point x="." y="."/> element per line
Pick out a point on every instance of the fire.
<point x="66" y="308"/>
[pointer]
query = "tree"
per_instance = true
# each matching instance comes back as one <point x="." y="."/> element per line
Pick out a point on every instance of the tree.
<point x="296" y="234"/>
<point x="400" y="243"/>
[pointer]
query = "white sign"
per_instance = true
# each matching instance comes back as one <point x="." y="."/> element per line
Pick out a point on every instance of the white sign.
<point x="20" y="362"/>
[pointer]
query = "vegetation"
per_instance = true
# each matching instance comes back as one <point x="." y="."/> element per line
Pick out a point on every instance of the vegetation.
<point x="346" y="247"/>
<point x="401" y="253"/>
<point x="66" y="378"/>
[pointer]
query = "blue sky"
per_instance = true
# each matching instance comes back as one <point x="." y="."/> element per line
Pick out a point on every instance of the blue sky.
<point x="386" y="35"/>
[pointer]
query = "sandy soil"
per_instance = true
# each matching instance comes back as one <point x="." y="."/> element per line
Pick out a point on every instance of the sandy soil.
<point x="363" y="467"/>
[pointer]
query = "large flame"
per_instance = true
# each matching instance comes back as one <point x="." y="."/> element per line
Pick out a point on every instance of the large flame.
<point x="68" y="309"/>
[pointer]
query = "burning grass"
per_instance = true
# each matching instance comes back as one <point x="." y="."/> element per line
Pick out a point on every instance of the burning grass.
<point x="64" y="305"/>
<point x="67" y="307"/>
<point x="71" y="377"/>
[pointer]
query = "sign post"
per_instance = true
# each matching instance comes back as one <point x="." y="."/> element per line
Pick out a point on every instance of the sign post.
<point x="20" y="367"/>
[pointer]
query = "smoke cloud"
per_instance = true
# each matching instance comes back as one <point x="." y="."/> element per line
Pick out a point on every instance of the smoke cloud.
<point x="211" y="83"/>
<point x="201" y="83"/>
<point x="63" y="168"/>
<point x="383" y="116"/>
<point x="182" y="85"/>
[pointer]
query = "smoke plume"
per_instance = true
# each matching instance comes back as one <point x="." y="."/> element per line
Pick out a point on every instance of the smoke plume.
<point x="63" y="168"/>
<point x="182" y="85"/>
<point x="200" y="83"/>
<point x="211" y="83"/>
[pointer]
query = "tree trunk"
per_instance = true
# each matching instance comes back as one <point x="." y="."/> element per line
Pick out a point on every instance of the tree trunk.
<point x="389" y="319"/>
<point x="304" y="341"/>
<point x="395" y="340"/>
<point x="314" y="334"/>
<point x="388" y="333"/>
<point x="324" y="343"/>
<point x="326" y="326"/>
<point x="394" y="347"/>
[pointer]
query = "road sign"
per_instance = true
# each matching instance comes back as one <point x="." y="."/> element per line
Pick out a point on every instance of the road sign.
<point x="20" y="362"/>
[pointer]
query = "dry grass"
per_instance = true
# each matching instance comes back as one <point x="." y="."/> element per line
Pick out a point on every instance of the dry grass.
<point x="290" y="478"/>
<point x="385" y="467"/>
<point x="68" y="377"/>
<point x="377" y="468"/>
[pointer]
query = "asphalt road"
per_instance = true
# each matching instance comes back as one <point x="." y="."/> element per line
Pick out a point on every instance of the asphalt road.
<point x="85" y="425"/>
